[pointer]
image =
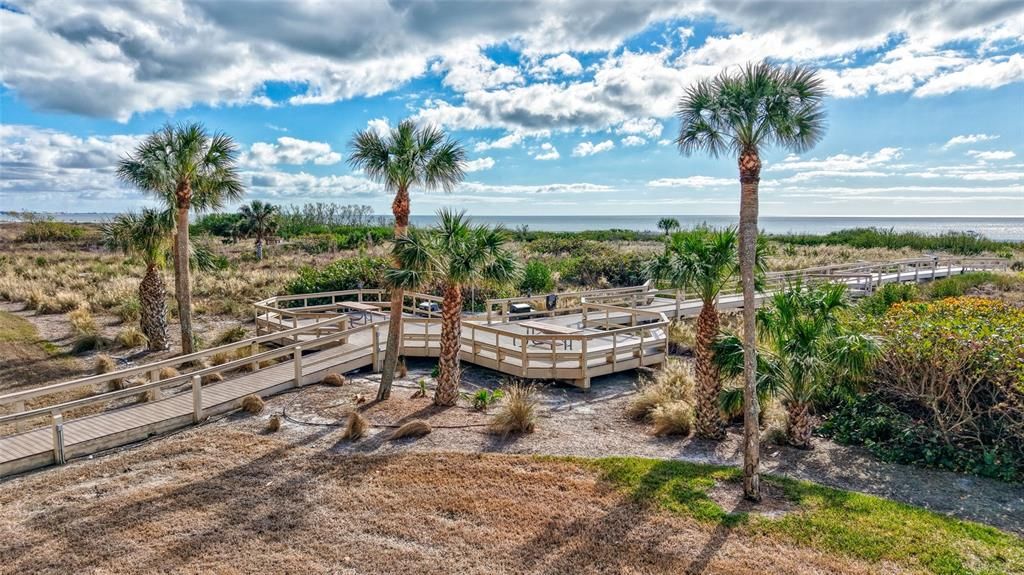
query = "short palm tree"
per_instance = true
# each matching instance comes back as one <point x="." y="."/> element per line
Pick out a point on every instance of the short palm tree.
<point x="149" y="235"/>
<point x="188" y="169"/>
<point x="805" y="354"/>
<point x="457" y="255"/>
<point x="259" y="219"/>
<point x="742" y="114"/>
<point x="704" y="261"/>
<point x="668" y="225"/>
<point x="408" y="156"/>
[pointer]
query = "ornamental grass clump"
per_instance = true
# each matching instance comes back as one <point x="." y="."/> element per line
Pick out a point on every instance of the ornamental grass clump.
<point x="517" y="413"/>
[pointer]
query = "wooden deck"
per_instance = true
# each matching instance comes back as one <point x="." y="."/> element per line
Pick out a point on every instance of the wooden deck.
<point x="304" y="337"/>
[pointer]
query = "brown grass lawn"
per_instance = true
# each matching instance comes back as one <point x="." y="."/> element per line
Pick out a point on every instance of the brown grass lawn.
<point x="234" y="502"/>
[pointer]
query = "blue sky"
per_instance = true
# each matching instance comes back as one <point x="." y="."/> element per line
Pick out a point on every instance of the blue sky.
<point x="565" y="107"/>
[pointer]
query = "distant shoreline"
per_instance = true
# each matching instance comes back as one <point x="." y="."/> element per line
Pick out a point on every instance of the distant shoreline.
<point x="993" y="227"/>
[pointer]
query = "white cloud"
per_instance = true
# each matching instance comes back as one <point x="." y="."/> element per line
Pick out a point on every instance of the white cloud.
<point x="968" y="139"/>
<point x="633" y="141"/>
<point x="479" y="164"/>
<point x="379" y="125"/>
<point x="562" y="64"/>
<point x="840" y="162"/>
<point x="980" y="74"/>
<point x="547" y="152"/>
<point x="588" y="148"/>
<point x="693" y="182"/>
<point x="293" y="151"/>
<point x="503" y="143"/>
<point x="991" y="155"/>
<point x="647" y="127"/>
<point x="465" y="71"/>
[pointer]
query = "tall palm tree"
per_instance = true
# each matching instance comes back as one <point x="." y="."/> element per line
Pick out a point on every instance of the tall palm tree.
<point x="149" y="235"/>
<point x="668" y="225"/>
<point x="805" y="354"/>
<point x="743" y="113"/>
<point x="188" y="169"/>
<point x="259" y="219"/>
<point x="457" y="255"/>
<point x="703" y="261"/>
<point x="408" y="156"/>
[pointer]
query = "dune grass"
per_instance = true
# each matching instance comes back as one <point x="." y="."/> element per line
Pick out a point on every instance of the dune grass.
<point x="856" y="525"/>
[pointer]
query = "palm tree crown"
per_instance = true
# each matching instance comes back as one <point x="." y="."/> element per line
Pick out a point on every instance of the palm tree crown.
<point x="763" y="104"/>
<point x="409" y="156"/>
<point x="147" y="234"/>
<point x="259" y="219"/>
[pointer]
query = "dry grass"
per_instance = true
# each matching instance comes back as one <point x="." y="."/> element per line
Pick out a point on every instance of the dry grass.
<point x="212" y="378"/>
<point x="168" y="372"/>
<point x="249" y="503"/>
<point x="252" y="404"/>
<point x="82" y="322"/>
<point x="355" y="426"/>
<point x="334" y="379"/>
<point x="517" y="412"/>
<point x="132" y="336"/>
<point x="403" y="369"/>
<point x="673" y="382"/>
<point x="414" y="428"/>
<point x="104" y="364"/>
<point x="672" y="418"/>
<point x="274" y="424"/>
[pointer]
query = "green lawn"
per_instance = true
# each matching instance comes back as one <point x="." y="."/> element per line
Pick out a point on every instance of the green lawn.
<point x="14" y="329"/>
<point x="853" y="524"/>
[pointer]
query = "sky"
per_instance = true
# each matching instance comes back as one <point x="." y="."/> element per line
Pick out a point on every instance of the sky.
<point x="565" y="107"/>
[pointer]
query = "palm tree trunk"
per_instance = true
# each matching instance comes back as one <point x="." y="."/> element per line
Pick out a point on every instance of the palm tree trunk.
<point x="153" y="316"/>
<point x="709" y="416"/>
<point x="750" y="176"/>
<point x="447" y="392"/>
<point x="182" y="279"/>
<point x="400" y="210"/>
<point x="259" y="248"/>
<point x="799" y="425"/>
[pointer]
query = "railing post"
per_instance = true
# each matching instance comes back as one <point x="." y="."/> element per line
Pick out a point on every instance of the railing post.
<point x="679" y="302"/>
<point x="254" y="349"/>
<point x="583" y="356"/>
<point x="154" y="376"/>
<point x="524" y="358"/>
<point x="58" y="439"/>
<point x="20" y="425"/>
<point x="298" y="366"/>
<point x="197" y="399"/>
<point x="375" y="337"/>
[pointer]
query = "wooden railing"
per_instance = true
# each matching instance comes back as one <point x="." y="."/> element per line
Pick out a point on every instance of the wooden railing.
<point x="568" y="302"/>
<point x="155" y="385"/>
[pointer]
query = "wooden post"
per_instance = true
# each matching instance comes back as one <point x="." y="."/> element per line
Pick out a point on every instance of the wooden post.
<point x="615" y="352"/>
<point x="154" y="376"/>
<point x="197" y="399"/>
<point x="58" y="439"/>
<point x="583" y="357"/>
<point x="524" y="359"/>
<point x="917" y="269"/>
<point x="298" y="366"/>
<point x="376" y="347"/>
<point x="20" y="425"/>
<point x="679" y="303"/>
<point x="254" y="349"/>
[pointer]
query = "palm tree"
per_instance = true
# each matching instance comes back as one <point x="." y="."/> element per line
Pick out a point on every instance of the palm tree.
<point x="742" y="113"/>
<point x="668" y="225"/>
<point x="259" y="219"/>
<point x="457" y="255"/>
<point x="187" y="169"/>
<point x="149" y="235"/>
<point x="703" y="261"/>
<point x="805" y="354"/>
<point x="408" y="156"/>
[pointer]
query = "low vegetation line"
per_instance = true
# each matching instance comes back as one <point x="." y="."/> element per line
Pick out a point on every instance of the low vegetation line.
<point x="823" y="518"/>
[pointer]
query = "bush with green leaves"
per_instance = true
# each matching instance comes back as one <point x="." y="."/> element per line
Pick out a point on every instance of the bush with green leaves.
<point x="346" y="274"/>
<point x="886" y="296"/>
<point x="482" y="399"/>
<point x="948" y="389"/>
<point x="537" y="278"/>
<point x="603" y="268"/>
<point x="955" y="286"/>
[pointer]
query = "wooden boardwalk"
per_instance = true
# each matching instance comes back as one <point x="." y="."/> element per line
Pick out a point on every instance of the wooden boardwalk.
<point x="302" y="338"/>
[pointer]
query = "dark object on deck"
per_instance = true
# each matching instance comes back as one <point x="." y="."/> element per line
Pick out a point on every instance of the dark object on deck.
<point x="519" y="308"/>
<point x="552" y="301"/>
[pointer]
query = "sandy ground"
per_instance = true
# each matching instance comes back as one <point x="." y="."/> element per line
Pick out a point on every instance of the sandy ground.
<point x="592" y="424"/>
<point x="223" y="500"/>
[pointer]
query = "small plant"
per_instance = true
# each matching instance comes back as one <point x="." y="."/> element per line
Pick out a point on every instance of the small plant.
<point x="252" y="404"/>
<point x="274" y="424"/>
<point x="129" y="310"/>
<point x="132" y="337"/>
<point x="483" y="398"/>
<point x="414" y="428"/>
<point x="537" y="278"/>
<point x="435" y="372"/>
<point x="355" y="427"/>
<point x="518" y="413"/>
<point x="230" y="335"/>
<point x="104" y="364"/>
<point x="334" y="379"/>
<point x="672" y="418"/>
<point x="422" y="389"/>
<point x="672" y="382"/>
<point x="212" y="378"/>
<point x="168" y="372"/>
<point x="82" y="322"/>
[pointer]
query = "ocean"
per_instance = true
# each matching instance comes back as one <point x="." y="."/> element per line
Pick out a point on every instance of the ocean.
<point x="996" y="228"/>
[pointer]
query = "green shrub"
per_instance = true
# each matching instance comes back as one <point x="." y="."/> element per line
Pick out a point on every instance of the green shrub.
<point x="886" y="296"/>
<point x="948" y="390"/>
<point x="603" y="268"/>
<point x="955" y="286"/>
<point x="346" y="274"/>
<point x="962" y="243"/>
<point x="484" y="398"/>
<point x="537" y="278"/>
<point x="45" y="229"/>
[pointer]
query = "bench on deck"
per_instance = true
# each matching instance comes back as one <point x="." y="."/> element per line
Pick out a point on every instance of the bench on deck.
<point x="549" y="329"/>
